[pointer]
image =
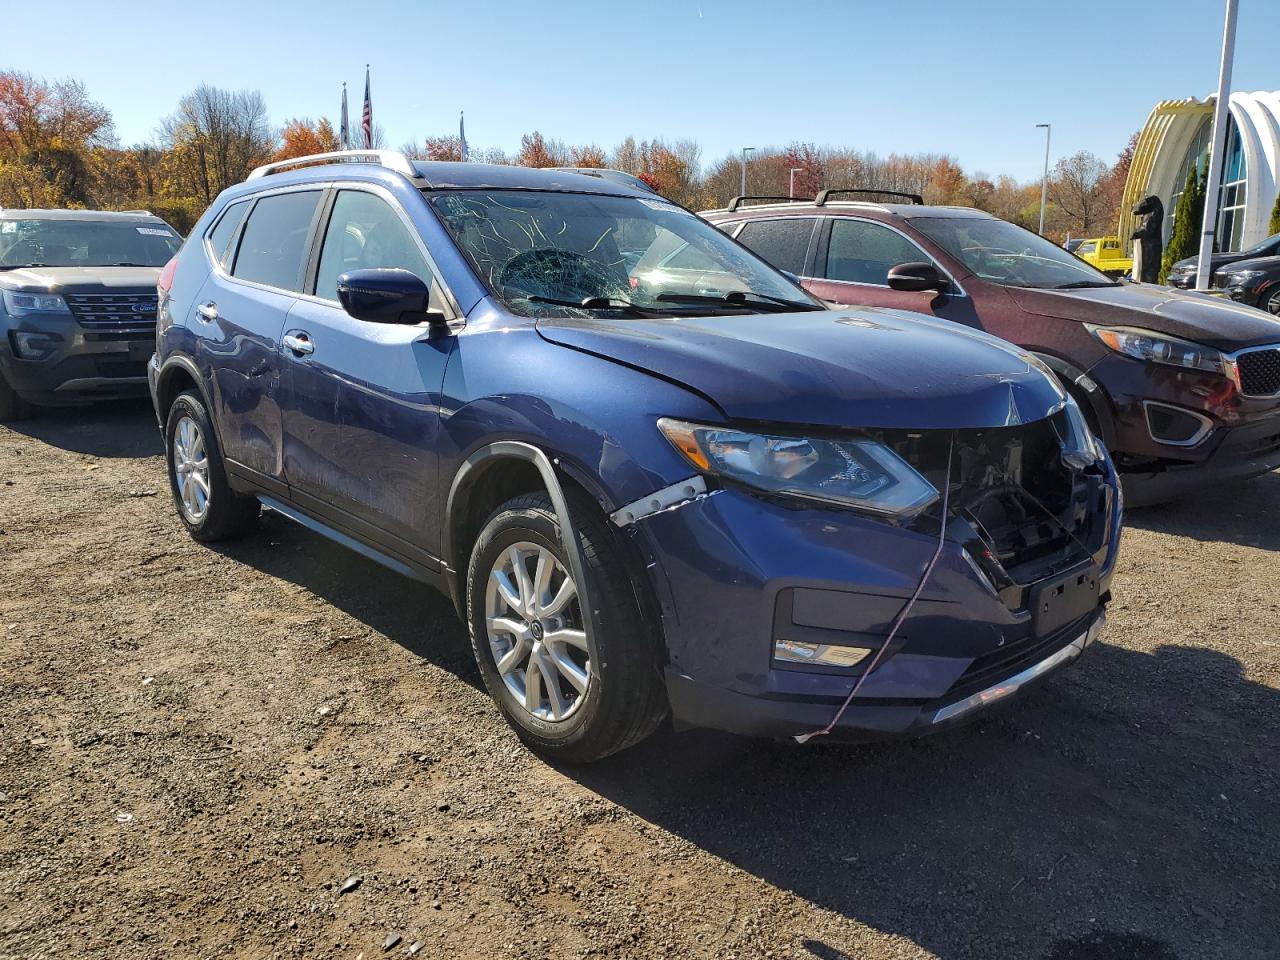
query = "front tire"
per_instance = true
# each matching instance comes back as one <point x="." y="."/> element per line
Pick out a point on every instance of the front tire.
<point x="569" y="694"/>
<point x="1272" y="304"/>
<point x="206" y="504"/>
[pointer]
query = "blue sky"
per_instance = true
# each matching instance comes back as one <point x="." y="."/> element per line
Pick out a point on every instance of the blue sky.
<point x="967" y="78"/>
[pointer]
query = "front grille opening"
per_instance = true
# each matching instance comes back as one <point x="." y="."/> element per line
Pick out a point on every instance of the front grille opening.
<point x="1259" y="372"/>
<point x="1021" y="512"/>
<point x="113" y="311"/>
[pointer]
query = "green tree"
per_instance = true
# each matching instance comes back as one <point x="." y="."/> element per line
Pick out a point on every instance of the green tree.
<point x="1188" y="217"/>
<point x="1274" y="228"/>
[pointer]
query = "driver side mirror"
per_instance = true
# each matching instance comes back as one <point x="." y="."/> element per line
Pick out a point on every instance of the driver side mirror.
<point x="387" y="296"/>
<point x="917" y="276"/>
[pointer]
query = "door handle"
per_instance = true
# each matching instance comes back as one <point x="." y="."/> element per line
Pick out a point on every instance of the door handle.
<point x="208" y="312"/>
<point x="299" y="343"/>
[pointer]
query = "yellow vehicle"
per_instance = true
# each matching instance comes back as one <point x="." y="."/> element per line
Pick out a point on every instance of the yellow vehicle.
<point x="1107" y="254"/>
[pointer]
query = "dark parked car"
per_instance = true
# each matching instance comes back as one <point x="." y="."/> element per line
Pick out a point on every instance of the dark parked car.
<point x="1183" y="388"/>
<point x="1183" y="273"/>
<point x="1255" y="282"/>
<point x="77" y="304"/>
<point x="726" y="501"/>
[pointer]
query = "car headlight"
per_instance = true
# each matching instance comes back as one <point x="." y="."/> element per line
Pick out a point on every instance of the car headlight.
<point x="859" y="473"/>
<point x="1160" y="348"/>
<point x="19" y="303"/>
<point x="1243" y="278"/>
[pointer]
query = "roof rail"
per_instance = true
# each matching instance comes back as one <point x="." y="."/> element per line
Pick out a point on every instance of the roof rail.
<point x="736" y="202"/>
<point x="140" y="213"/>
<point x="391" y="159"/>
<point x="913" y="197"/>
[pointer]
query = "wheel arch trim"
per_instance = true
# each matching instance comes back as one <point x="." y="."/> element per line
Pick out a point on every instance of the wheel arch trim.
<point x="1080" y="384"/>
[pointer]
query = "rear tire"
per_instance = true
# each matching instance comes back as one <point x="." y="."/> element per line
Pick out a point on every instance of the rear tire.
<point x="206" y="504"/>
<point x="589" y="698"/>
<point x="12" y="406"/>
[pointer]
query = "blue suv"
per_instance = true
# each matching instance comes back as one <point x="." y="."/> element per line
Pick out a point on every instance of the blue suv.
<point x="655" y="476"/>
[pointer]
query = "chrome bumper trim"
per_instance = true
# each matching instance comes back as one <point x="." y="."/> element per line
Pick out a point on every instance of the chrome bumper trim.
<point x="1005" y="688"/>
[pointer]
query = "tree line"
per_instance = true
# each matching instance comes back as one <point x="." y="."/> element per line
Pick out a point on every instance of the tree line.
<point x="58" y="148"/>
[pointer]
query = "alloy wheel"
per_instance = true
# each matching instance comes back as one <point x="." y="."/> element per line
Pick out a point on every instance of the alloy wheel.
<point x="191" y="469"/>
<point x="534" y="625"/>
<point x="1273" y="304"/>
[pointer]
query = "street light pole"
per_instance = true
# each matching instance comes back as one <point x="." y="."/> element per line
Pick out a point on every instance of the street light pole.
<point x="791" y="189"/>
<point x="1204" y="265"/>
<point x="1044" y="184"/>
<point x="742" y="192"/>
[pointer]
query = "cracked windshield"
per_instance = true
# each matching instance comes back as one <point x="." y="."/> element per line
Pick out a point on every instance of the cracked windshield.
<point x="561" y="254"/>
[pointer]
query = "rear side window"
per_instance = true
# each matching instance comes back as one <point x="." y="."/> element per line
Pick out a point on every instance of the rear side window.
<point x="783" y="243"/>
<point x="1087" y="247"/>
<point x="274" y="244"/>
<point x="864" y="252"/>
<point x="224" y="232"/>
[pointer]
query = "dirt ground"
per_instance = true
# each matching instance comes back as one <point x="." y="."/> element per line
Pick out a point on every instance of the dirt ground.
<point x="199" y="747"/>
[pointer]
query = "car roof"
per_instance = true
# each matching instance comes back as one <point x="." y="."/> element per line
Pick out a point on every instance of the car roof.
<point x="835" y="208"/>
<point x="129" y="216"/>
<point x="442" y="175"/>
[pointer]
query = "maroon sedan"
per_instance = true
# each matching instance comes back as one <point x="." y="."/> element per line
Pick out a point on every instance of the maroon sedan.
<point x="1183" y="388"/>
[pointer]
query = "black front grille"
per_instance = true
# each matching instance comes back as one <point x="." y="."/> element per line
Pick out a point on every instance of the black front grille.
<point x="1260" y="372"/>
<point x="114" y="311"/>
<point x="1014" y="657"/>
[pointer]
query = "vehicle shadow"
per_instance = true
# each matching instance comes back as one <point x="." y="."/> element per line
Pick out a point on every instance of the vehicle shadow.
<point x="1245" y="513"/>
<point x="119" y="428"/>
<point x="1079" y="822"/>
<point x="413" y="615"/>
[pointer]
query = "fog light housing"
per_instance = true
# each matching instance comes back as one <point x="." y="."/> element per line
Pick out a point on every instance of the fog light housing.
<point x="820" y="654"/>
<point x="31" y="345"/>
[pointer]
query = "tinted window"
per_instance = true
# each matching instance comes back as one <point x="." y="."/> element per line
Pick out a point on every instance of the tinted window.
<point x="865" y="252"/>
<point x="728" y="226"/>
<point x="782" y="242"/>
<point x="273" y="246"/>
<point x="364" y="232"/>
<point x="1088" y="247"/>
<point x="86" y="243"/>
<point x="221" y="235"/>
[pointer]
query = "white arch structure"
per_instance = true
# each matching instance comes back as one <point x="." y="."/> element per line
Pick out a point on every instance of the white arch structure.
<point x="1169" y="131"/>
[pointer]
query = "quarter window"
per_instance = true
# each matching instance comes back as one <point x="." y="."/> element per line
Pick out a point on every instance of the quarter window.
<point x="365" y="232"/>
<point x="864" y="252"/>
<point x="273" y="246"/>
<point x="220" y="237"/>
<point x="784" y="243"/>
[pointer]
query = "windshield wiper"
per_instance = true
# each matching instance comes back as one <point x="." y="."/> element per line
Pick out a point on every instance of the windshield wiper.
<point x="599" y="303"/>
<point x="124" y="264"/>
<point x="22" y="266"/>
<point x="742" y="298"/>
<point x="1082" y="284"/>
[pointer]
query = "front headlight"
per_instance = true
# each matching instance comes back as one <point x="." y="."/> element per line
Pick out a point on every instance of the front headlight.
<point x="19" y="303"/>
<point x="1160" y="348"/>
<point x="1243" y="278"/>
<point x="861" y="474"/>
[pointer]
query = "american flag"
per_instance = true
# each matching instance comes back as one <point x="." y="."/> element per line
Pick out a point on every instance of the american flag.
<point x="366" y="118"/>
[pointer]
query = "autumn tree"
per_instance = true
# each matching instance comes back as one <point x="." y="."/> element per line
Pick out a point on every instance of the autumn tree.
<point x="303" y="137"/>
<point x="1078" y="189"/>
<point x="805" y="160"/>
<point x="47" y="131"/>
<point x="588" y="155"/>
<point x="217" y="137"/>
<point x="536" y="151"/>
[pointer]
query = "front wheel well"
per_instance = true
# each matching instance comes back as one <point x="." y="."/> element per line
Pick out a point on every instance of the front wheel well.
<point x="173" y="382"/>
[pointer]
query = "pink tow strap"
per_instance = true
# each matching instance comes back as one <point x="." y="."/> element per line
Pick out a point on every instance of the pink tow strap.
<point x="924" y="578"/>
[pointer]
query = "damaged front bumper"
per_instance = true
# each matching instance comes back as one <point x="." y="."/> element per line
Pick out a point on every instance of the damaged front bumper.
<point x="741" y="577"/>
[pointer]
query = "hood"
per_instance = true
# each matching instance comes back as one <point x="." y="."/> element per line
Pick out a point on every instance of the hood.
<point x="1270" y="264"/>
<point x="1192" y="316"/>
<point x="868" y="367"/>
<point x="82" y="279"/>
<point x="1215" y="260"/>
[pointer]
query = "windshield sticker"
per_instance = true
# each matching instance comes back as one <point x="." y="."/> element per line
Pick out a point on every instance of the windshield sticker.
<point x="9" y="226"/>
<point x="660" y="205"/>
<point x="153" y="232"/>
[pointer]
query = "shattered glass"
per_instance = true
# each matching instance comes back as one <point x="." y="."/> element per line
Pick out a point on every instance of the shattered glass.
<point x="619" y="253"/>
